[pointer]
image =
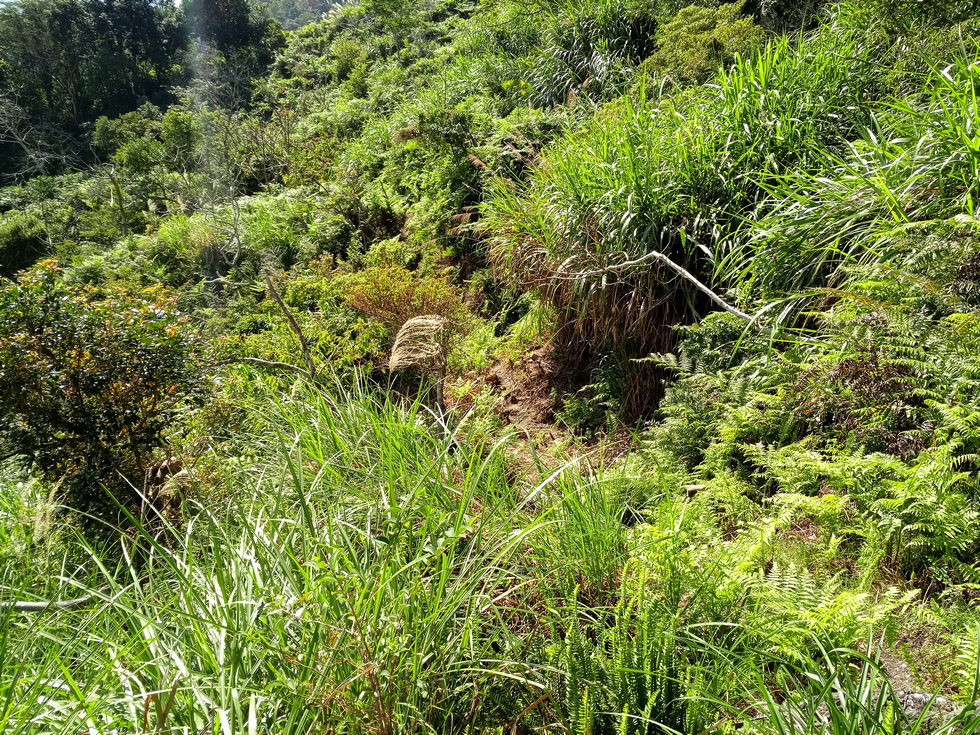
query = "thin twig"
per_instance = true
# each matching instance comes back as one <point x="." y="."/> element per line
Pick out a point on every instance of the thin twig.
<point x="533" y="705"/>
<point x="225" y="282"/>
<point x="304" y="344"/>
<point x="269" y="364"/>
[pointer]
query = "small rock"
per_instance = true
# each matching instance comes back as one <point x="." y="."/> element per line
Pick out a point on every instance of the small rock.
<point x="693" y="490"/>
<point x="940" y="709"/>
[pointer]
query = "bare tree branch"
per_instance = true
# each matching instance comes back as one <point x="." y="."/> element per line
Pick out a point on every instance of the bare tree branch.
<point x="269" y="364"/>
<point x="304" y="344"/>
<point x="42" y="147"/>
<point x="46" y="605"/>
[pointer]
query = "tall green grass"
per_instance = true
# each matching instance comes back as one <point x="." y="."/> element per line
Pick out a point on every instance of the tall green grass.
<point x="351" y="584"/>
<point x="913" y="168"/>
<point x="366" y="571"/>
<point x="650" y="188"/>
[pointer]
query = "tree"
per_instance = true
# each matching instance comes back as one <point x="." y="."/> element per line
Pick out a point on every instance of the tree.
<point x="89" y="383"/>
<point x="64" y="63"/>
<point x="234" y="43"/>
<point x="294" y="14"/>
<point x="225" y="25"/>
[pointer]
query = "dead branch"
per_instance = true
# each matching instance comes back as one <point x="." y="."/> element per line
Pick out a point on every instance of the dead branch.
<point x="41" y="606"/>
<point x="679" y="270"/>
<point x="294" y="325"/>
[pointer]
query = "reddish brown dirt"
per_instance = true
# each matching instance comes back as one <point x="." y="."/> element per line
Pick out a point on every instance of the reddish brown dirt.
<point x="529" y="391"/>
<point x="526" y="387"/>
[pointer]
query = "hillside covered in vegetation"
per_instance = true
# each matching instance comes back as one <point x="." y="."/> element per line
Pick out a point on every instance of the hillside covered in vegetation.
<point x="490" y="367"/>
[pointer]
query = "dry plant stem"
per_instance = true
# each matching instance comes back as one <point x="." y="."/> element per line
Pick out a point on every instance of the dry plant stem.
<point x="310" y="373"/>
<point x="269" y="364"/>
<point x="42" y="606"/>
<point x="294" y="325"/>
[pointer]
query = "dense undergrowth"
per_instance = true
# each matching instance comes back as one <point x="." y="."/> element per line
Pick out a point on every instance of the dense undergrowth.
<point x="262" y="337"/>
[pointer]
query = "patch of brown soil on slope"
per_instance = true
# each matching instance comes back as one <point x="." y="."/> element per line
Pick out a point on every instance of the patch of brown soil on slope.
<point x="528" y="390"/>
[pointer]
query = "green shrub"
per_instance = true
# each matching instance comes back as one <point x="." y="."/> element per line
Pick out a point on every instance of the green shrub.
<point x="788" y="15"/>
<point x="89" y="383"/>
<point x="912" y="15"/>
<point x="697" y="41"/>
<point x="339" y="336"/>
<point x="23" y="241"/>
<point x="393" y="295"/>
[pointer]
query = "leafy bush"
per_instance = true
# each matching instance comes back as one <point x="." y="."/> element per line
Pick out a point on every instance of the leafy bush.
<point x="23" y="241"/>
<point x="89" y="383"/>
<point x="785" y="15"/>
<point x="393" y="295"/>
<point x="695" y="43"/>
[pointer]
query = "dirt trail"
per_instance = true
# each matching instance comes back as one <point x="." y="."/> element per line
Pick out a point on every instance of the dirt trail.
<point x="529" y="391"/>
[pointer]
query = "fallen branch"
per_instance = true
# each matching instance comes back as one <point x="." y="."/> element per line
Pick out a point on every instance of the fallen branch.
<point x="49" y="605"/>
<point x="268" y="364"/>
<point x="679" y="270"/>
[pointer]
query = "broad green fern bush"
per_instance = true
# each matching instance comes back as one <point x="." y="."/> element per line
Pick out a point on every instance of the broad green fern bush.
<point x="968" y="664"/>
<point x="707" y="418"/>
<point x="791" y="610"/>
<point x="801" y="468"/>
<point x="929" y="521"/>
<point x="917" y="518"/>
<point x="702" y="578"/>
<point x="878" y="414"/>
<point x="734" y="580"/>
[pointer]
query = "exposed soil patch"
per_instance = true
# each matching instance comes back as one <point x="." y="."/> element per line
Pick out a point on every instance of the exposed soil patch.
<point x="899" y="672"/>
<point x="529" y="393"/>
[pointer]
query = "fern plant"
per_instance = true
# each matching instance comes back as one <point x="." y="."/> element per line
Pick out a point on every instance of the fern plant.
<point x="968" y="664"/>
<point x="631" y="670"/>
<point x="792" y="609"/>
<point x="930" y="525"/>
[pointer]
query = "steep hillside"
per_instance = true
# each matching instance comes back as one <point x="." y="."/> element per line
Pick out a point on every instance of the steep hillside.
<point x="499" y="367"/>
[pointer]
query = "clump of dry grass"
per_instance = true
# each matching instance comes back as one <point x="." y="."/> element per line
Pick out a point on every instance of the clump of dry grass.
<point x="423" y="344"/>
